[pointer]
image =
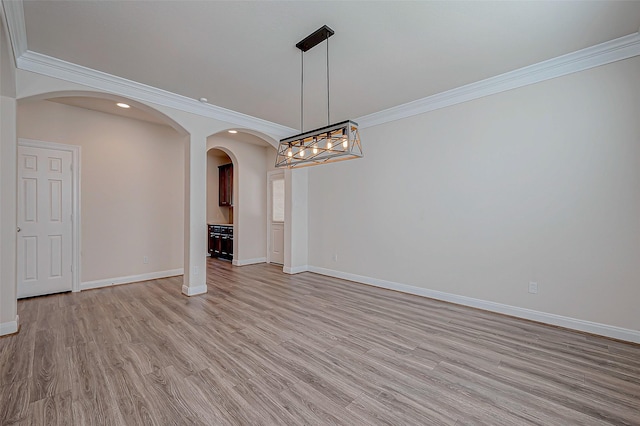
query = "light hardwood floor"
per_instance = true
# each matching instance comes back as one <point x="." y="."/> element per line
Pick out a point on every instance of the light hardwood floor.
<point x="262" y="347"/>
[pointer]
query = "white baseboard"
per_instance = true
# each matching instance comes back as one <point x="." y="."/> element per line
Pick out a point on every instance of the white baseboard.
<point x="193" y="291"/>
<point x="295" y="269"/>
<point x="620" y="333"/>
<point x="9" y="327"/>
<point x="130" y="279"/>
<point x="238" y="262"/>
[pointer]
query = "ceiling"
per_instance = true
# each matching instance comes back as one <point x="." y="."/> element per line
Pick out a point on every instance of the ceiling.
<point x="109" y="106"/>
<point x="241" y="55"/>
<point x="134" y="112"/>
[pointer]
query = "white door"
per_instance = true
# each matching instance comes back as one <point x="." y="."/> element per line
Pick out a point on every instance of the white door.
<point x="44" y="221"/>
<point x="276" y="219"/>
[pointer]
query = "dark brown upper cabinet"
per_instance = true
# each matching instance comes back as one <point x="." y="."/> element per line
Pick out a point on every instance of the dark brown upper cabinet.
<point x="225" y="182"/>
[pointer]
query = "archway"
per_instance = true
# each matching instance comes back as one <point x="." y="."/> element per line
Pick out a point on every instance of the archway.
<point x="252" y="155"/>
<point x="132" y="182"/>
<point x="158" y="115"/>
<point x="222" y="205"/>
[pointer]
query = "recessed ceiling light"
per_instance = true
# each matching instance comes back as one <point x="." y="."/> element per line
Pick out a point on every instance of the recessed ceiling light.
<point x="233" y="131"/>
<point x="123" y="105"/>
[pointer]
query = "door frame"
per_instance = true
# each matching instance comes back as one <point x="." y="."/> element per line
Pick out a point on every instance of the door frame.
<point x="271" y="175"/>
<point x="75" y="201"/>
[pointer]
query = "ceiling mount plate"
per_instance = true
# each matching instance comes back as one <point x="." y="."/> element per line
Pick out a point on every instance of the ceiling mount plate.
<point x="315" y="38"/>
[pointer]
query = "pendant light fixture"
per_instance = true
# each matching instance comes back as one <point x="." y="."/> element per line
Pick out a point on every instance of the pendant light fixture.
<point x="334" y="142"/>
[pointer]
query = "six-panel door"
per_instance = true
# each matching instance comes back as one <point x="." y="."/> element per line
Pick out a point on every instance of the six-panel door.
<point x="44" y="221"/>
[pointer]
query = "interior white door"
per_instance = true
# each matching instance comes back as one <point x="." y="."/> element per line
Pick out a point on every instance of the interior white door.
<point x="44" y="221"/>
<point x="276" y="220"/>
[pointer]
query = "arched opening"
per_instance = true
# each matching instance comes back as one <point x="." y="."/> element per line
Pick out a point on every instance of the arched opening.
<point x="131" y="200"/>
<point x="107" y="103"/>
<point x="221" y="203"/>
<point x="252" y="156"/>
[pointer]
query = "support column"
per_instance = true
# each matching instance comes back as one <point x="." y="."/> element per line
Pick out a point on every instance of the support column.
<point x="8" y="220"/>
<point x="296" y="234"/>
<point x="195" y="216"/>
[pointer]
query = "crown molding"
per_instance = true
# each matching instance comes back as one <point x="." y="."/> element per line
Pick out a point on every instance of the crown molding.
<point x="600" y="54"/>
<point x="14" y="15"/>
<point x="63" y="70"/>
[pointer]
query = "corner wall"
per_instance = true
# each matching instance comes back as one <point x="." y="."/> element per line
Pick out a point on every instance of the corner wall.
<point x="478" y="199"/>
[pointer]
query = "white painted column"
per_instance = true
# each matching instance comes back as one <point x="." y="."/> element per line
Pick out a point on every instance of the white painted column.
<point x="296" y="234"/>
<point x="8" y="220"/>
<point x="195" y="216"/>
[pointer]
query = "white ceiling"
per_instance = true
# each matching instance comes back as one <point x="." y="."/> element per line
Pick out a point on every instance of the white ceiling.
<point x="242" y="55"/>
<point x="109" y="106"/>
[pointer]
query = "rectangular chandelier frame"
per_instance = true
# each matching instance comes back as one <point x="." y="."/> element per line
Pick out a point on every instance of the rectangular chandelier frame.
<point x="336" y="142"/>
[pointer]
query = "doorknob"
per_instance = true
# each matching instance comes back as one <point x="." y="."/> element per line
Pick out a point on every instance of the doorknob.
<point x="18" y="229"/>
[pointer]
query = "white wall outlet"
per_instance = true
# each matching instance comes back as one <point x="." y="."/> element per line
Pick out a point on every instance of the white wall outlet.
<point x="334" y="257"/>
<point x="145" y="260"/>
<point x="533" y="287"/>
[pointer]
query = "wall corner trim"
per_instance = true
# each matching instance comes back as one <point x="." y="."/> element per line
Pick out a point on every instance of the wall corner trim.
<point x="194" y="291"/>
<point x="14" y="14"/>
<point x="9" y="327"/>
<point x="605" y="330"/>
<point x="580" y="60"/>
<point x="63" y="70"/>
<point x="130" y="279"/>
<point x="244" y="262"/>
<point x="295" y="269"/>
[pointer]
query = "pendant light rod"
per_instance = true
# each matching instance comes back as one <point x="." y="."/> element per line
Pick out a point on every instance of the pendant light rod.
<point x="328" y="92"/>
<point x="318" y="36"/>
<point x="302" y="92"/>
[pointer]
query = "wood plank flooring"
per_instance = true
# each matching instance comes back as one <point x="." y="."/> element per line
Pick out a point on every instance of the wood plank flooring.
<point x="265" y="348"/>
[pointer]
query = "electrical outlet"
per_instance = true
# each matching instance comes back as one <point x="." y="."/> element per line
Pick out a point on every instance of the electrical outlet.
<point x="145" y="260"/>
<point x="334" y="257"/>
<point x="533" y="287"/>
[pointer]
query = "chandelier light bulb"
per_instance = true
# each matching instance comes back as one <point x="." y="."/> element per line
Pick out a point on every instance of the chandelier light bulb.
<point x="329" y="145"/>
<point x="290" y="153"/>
<point x="315" y="149"/>
<point x="302" y="153"/>
<point x="345" y="143"/>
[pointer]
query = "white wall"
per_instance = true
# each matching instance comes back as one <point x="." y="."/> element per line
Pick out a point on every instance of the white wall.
<point x="7" y="65"/>
<point x="249" y="195"/>
<point x="296" y="220"/>
<point x="534" y="184"/>
<point x="132" y="187"/>
<point x="270" y="158"/>
<point x="215" y="212"/>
